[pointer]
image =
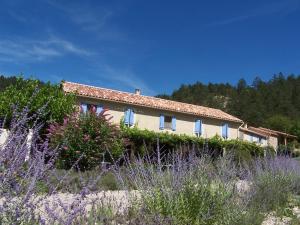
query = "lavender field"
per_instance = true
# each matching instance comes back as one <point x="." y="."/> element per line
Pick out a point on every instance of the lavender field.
<point x="182" y="187"/>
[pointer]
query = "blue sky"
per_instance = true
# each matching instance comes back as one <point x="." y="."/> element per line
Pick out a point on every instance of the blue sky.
<point x="152" y="45"/>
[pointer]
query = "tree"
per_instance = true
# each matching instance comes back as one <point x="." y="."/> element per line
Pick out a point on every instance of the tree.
<point x="257" y="104"/>
<point x="36" y="95"/>
<point x="279" y="122"/>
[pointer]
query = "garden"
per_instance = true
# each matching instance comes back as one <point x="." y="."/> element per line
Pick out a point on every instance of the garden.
<point x="82" y="169"/>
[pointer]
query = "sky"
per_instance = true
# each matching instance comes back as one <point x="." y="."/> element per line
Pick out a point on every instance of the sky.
<point x="152" y="45"/>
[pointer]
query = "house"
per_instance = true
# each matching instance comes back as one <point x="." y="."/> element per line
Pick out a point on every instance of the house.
<point x="161" y="115"/>
<point x="265" y="136"/>
<point x="156" y="114"/>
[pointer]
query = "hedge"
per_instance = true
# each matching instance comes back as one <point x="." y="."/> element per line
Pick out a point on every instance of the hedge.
<point x="145" y="141"/>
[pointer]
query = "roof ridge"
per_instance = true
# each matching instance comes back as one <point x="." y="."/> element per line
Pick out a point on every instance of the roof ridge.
<point x="109" y="89"/>
<point x="152" y="101"/>
<point x="147" y="96"/>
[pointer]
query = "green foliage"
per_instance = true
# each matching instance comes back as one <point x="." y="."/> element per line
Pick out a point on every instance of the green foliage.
<point x="6" y="82"/>
<point x="88" y="139"/>
<point x="75" y="181"/>
<point x="273" y="190"/>
<point x="273" y="103"/>
<point x="279" y="122"/>
<point x="145" y="141"/>
<point x="196" y="202"/>
<point x="243" y="151"/>
<point x="36" y="95"/>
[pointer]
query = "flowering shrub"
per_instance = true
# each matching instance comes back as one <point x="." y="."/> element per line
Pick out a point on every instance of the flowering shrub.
<point x="87" y="138"/>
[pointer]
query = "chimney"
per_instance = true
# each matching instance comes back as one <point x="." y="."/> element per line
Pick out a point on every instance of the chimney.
<point x="245" y="125"/>
<point x="137" y="91"/>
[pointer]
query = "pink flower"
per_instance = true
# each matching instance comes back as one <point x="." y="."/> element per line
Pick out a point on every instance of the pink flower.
<point x="86" y="137"/>
<point x="65" y="148"/>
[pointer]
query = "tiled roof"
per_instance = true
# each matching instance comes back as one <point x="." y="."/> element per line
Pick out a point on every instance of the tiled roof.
<point x="266" y="132"/>
<point x="277" y="132"/>
<point x="261" y="134"/>
<point x="146" y="101"/>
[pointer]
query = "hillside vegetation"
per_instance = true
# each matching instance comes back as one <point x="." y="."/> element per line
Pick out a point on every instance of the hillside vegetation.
<point x="274" y="104"/>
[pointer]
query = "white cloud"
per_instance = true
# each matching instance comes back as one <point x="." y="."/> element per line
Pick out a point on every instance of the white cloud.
<point x="84" y="15"/>
<point x="124" y="79"/>
<point x="284" y="7"/>
<point x="96" y="19"/>
<point x="29" y="50"/>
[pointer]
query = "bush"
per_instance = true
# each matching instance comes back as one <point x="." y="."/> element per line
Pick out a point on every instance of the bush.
<point x="88" y="139"/>
<point x="197" y="202"/>
<point x="275" y="181"/>
<point x="243" y="151"/>
<point x="145" y="142"/>
<point x="45" y="97"/>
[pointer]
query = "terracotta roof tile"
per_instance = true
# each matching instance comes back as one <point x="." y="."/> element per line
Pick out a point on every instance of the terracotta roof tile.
<point x="277" y="132"/>
<point x="146" y="101"/>
<point x="257" y="132"/>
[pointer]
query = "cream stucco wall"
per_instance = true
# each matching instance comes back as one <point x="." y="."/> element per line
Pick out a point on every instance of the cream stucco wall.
<point x="247" y="137"/>
<point x="148" y="118"/>
<point x="3" y="136"/>
<point x="273" y="141"/>
<point x="270" y="141"/>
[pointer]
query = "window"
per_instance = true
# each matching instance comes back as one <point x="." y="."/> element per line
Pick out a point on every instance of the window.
<point x="225" y="130"/>
<point x="86" y="107"/>
<point x="198" y="127"/>
<point x="91" y="108"/>
<point x="167" y="122"/>
<point x="129" y="117"/>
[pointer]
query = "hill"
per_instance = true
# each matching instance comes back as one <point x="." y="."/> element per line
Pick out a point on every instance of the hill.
<point x="274" y="104"/>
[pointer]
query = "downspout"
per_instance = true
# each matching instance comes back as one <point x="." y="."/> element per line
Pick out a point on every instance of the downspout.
<point x="239" y="129"/>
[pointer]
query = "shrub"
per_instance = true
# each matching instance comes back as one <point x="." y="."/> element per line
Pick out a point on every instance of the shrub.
<point x="54" y="103"/>
<point x="242" y="151"/>
<point x="87" y="138"/>
<point x="275" y="181"/>
<point x="144" y="142"/>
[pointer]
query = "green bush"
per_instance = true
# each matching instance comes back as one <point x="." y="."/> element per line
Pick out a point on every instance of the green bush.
<point x="75" y="181"/>
<point x="145" y="140"/>
<point x="243" y="151"/>
<point x="86" y="139"/>
<point x="197" y="202"/>
<point x="272" y="191"/>
<point x="36" y="95"/>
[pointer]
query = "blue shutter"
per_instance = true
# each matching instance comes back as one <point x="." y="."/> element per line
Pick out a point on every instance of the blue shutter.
<point x="84" y="107"/>
<point x="131" y="117"/>
<point x="161" y="122"/>
<point x="99" y="109"/>
<point x="225" y="130"/>
<point x="173" y="123"/>
<point x="127" y="116"/>
<point x="198" y="127"/>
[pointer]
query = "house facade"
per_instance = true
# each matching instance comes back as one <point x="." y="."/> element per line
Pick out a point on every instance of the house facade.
<point x="161" y="115"/>
<point x="265" y="136"/>
<point x="156" y="114"/>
